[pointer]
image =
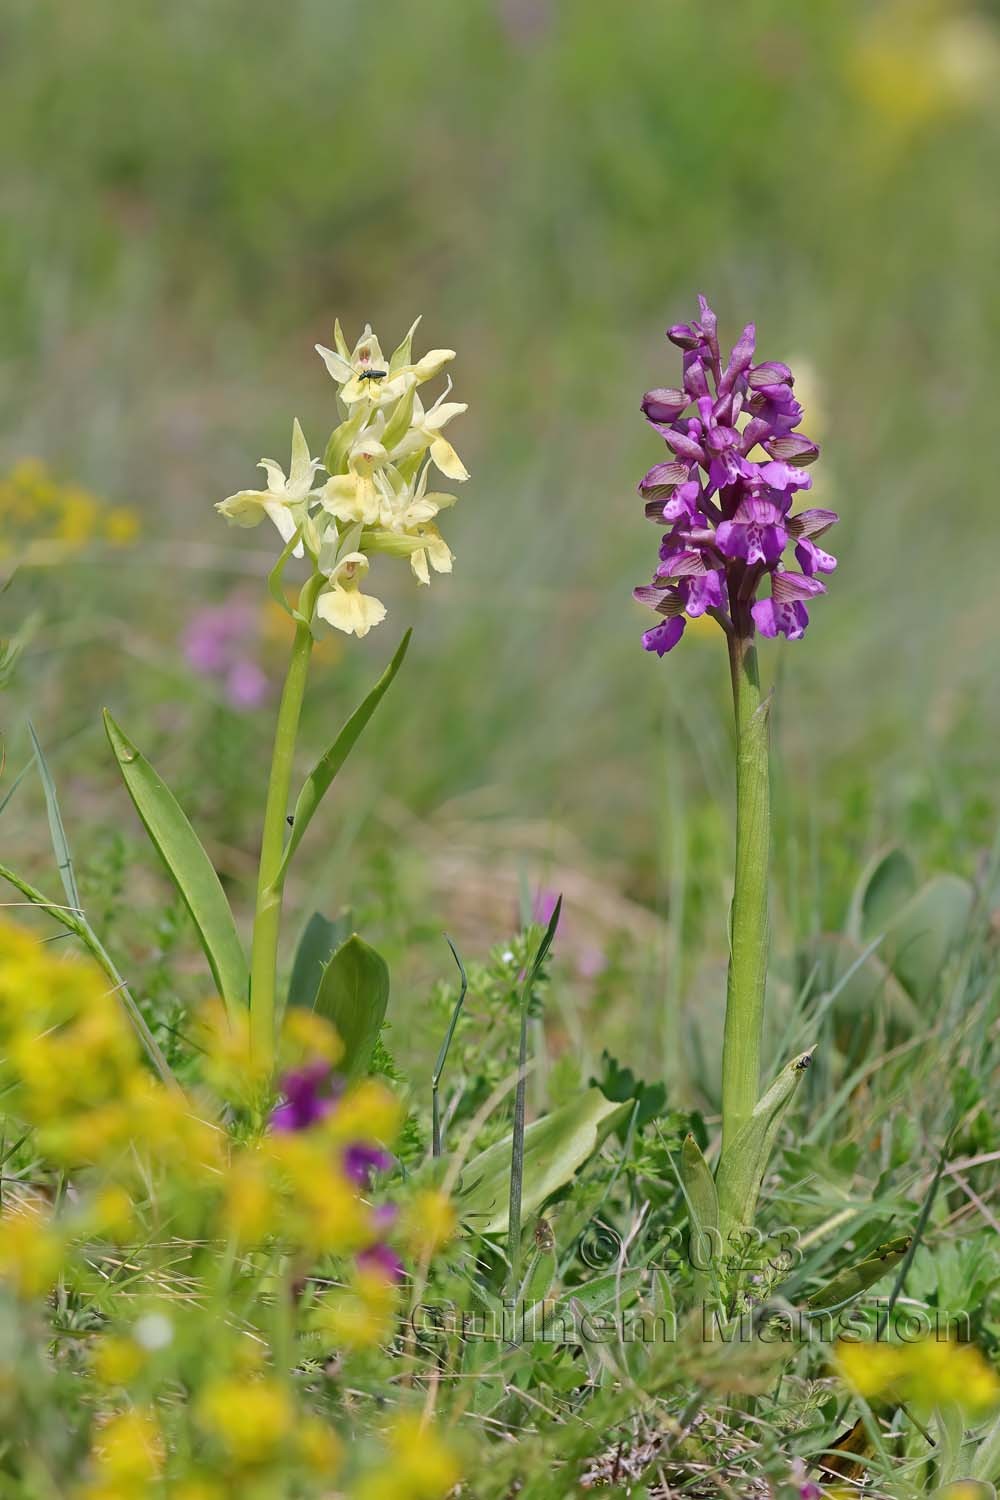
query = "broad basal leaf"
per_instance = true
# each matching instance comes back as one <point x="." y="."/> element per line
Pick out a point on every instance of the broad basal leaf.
<point x="190" y="867"/>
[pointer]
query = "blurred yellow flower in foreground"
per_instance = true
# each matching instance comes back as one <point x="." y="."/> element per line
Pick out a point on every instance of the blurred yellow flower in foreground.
<point x="128" y="1455"/>
<point x="929" y="1374"/>
<point x="251" y="1420"/>
<point x="31" y="1251"/>
<point x="420" y="1467"/>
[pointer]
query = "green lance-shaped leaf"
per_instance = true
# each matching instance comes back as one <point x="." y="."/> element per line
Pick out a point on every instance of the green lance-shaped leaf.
<point x="742" y="1168"/>
<point x="319" y="941"/>
<point x="318" y="781"/>
<point x="555" y="1148"/>
<point x="702" y="1199"/>
<point x="353" y="994"/>
<point x="853" y="1280"/>
<point x="189" y="866"/>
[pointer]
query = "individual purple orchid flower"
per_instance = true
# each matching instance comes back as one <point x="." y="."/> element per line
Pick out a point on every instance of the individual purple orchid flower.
<point x="381" y="1260"/>
<point x="727" y="491"/>
<point x="307" y="1098"/>
<point x="362" y="1159"/>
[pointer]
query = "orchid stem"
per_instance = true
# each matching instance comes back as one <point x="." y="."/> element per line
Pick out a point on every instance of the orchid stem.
<point x="270" y="876"/>
<point x="748" y="940"/>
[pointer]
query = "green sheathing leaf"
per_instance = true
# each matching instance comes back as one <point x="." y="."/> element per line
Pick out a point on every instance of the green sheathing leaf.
<point x="743" y="1165"/>
<point x="190" y="868"/>
<point x="353" y="995"/>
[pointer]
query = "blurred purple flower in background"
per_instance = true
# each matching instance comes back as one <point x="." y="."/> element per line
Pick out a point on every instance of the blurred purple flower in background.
<point x="729" y="515"/>
<point x="220" y="642"/>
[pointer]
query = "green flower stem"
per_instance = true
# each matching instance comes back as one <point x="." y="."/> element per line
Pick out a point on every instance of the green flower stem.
<point x="748" y="922"/>
<point x="271" y="876"/>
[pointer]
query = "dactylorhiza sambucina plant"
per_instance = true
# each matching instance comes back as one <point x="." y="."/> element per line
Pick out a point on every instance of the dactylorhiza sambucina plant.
<point x="728" y="495"/>
<point x="376" y="498"/>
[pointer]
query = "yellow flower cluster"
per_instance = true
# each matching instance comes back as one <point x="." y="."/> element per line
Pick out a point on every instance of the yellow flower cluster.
<point x="71" y="1066"/>
<point x="36" y="508"/>
<point x="272" y="1201"/>
<point x="929" y="1373"/>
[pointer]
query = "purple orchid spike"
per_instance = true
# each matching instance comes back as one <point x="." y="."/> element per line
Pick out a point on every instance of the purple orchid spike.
<point x="726" y="491"/>
<point x="307" y="1098"/>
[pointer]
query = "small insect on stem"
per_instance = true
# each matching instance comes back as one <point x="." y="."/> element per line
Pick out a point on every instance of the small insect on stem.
<point x="373" y="374"/>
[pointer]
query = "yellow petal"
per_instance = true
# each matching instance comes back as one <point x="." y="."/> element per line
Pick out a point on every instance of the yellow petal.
<point x="350" y="610"/>
<point x="246" y="508"/>
<point x="447" y="459"/>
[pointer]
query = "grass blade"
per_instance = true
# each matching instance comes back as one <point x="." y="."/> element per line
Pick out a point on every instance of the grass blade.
<point x="517" y="1135"/>
<point x="442" y="1056"/>
<point x="57" y="830"/>
<point x="190" y="868"/>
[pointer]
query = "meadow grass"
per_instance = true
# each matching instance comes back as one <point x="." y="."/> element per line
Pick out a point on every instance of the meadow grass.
<point x="189" y="195"/>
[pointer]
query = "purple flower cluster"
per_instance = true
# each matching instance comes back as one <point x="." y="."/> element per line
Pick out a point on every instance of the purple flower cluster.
<point x="729" y="515"/>
<point x="309" y="1095"/>
<point x="220" y="642"/>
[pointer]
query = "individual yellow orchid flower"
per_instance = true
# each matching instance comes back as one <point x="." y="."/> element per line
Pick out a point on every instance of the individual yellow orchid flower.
<point x="285" y="500"/>
<point x="364" y="373"/>
<point x="354" y="496"/>
<point x="426" y="432"/>
<point x="343" y="605"/>
<point x="435" y="551"/>
<point x="407" y="512"/>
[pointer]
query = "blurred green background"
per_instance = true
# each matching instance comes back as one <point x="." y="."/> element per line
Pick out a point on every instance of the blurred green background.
<point x="191" y="193"/>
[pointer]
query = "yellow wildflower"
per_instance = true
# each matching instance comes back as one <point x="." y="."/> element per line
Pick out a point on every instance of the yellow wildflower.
<point x="111" y="1214"/>
<point x="320" y="1449"/>
<point x="251" y="1420"/>
<point x="368" y="1111"/>
<point x="420" y="1466"/>
<point x="928" y="1373"/>
<point x="322" y="1210"/>
<point x="429" y="1221"/>
<point x="251" y="1208"/>
<point x="128" y="1452"/>
<point x="363" y="1316"/>
<point x="121" y="526"/>
<point x="117" y="1360"/>
<point x="32" y="1252"/>
<point x="306" y="1037"/>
